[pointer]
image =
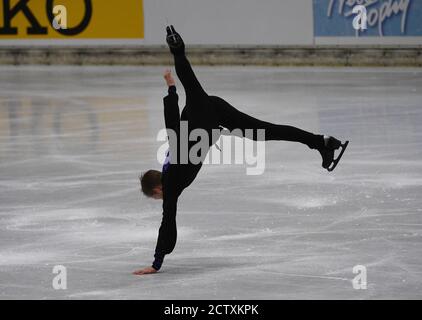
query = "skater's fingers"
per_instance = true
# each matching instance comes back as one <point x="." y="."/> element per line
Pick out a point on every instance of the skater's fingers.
<point x="172" y="29"/>
<point x="144" y="271"/>
<point x="168" y="31"/>
<point x="139" y="273"/>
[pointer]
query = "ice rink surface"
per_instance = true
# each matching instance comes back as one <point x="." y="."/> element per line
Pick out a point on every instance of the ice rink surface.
<point x="73" y="141"/>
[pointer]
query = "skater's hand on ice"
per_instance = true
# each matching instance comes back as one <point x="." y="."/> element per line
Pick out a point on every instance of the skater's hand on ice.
<point x="169" y="78"/>
<point x="147" y="270"/>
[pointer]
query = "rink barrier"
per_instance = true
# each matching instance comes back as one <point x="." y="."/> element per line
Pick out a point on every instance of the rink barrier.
<point x="217" y="55"/>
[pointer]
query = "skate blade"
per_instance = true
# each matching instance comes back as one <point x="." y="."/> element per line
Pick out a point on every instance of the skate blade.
<point x="336" y="161"/>
<point x="171" y="33"/>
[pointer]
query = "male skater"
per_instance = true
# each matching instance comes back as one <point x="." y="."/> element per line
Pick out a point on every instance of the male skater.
<point x="207" y="112"/>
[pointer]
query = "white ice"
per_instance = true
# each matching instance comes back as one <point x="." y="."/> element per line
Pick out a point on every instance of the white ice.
<point x="73" y="141"/>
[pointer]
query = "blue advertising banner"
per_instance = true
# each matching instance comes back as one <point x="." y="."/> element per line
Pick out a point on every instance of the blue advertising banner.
<point x="384" y="18"/>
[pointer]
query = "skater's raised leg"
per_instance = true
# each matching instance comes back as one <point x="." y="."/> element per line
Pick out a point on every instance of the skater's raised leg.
<point x="184" y="70"/>
<point x="233" y="119"/>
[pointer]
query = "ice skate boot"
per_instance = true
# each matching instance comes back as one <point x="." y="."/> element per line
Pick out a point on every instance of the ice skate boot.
<point x="175" y="41"/>
<point x="327" y="152"/>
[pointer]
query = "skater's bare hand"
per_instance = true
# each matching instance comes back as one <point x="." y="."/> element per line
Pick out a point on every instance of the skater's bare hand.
<point x="147" y="270"/>
<point x="169" y="78"/>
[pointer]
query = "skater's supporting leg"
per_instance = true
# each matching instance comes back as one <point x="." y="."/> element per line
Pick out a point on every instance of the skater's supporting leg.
<point x="231" y="118"/>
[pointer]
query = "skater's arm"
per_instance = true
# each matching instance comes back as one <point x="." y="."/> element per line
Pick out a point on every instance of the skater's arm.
<point x="171" y="110"/>
<point x="171" y="106"/>
<point x="167" y="234"/>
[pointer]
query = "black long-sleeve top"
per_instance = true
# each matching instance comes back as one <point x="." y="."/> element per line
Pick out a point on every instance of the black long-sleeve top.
<point x="174" y="180"/>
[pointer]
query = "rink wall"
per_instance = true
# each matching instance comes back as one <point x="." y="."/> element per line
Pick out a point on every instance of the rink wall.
<point x="271" y="32"/>
<point x="203" y="55"/>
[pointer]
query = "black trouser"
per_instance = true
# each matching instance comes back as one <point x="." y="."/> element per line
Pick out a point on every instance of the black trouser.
<point x="210" y="112"/>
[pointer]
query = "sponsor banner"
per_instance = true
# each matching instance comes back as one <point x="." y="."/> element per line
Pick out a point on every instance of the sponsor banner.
<point x="71" y="19"/>
<point x="384" y="18"/>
